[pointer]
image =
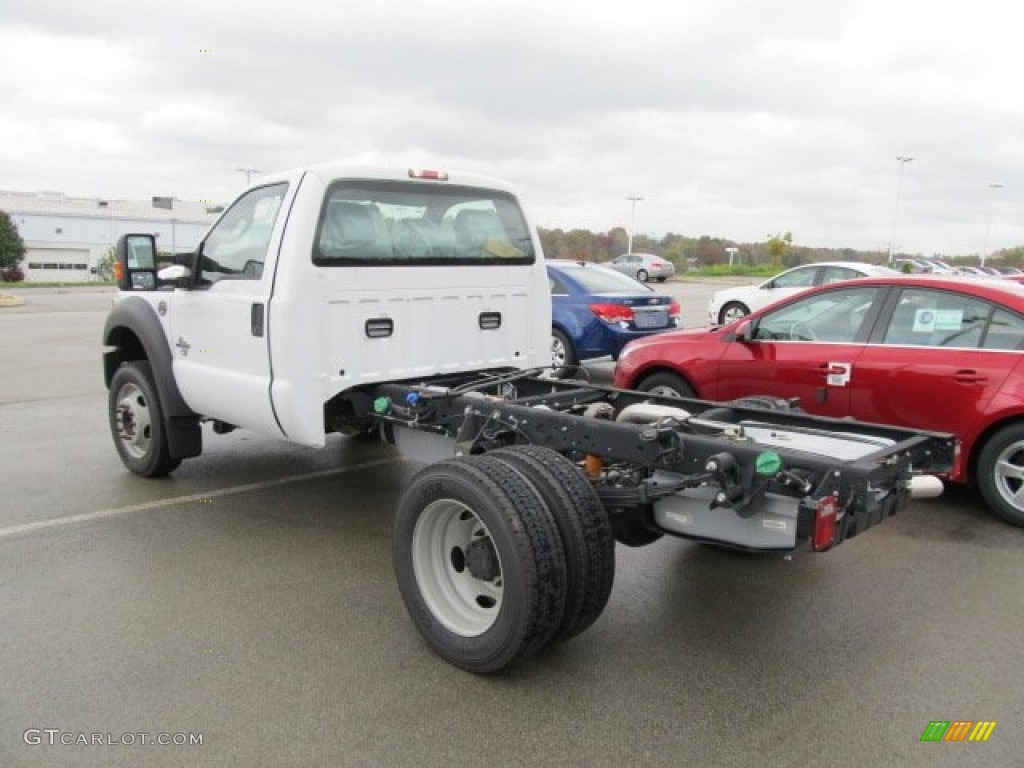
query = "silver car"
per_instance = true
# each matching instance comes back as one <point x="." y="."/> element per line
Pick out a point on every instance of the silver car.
<point x="643" y="266"/>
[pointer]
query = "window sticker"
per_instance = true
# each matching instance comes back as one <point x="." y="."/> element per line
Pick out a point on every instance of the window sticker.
<point x="949" y="319"/>
<point x="924" y="321"/>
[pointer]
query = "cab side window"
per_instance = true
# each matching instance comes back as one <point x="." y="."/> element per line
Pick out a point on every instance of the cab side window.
<point x="236" y="247"/>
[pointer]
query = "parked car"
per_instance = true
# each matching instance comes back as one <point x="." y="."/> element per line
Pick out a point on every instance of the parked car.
<point x="913" y="266"/>
<point x="927" y="352"/>
<point x="731" y="304"/>
<point x="596" y="310"/>
<point x="643" y="266"/>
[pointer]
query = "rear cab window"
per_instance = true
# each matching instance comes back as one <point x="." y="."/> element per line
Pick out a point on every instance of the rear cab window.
<point x="388" y="224"/>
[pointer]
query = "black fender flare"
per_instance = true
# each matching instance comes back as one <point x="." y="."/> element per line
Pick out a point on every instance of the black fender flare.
<point x="135" y="333"/>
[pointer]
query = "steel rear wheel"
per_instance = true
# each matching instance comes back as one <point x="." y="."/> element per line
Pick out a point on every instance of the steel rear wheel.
<point x="463" y="590"/>
<point x="1001" y="473"/>
<point x="479" y="563"/>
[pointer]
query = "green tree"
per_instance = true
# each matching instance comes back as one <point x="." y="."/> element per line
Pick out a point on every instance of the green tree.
<point x="777" y="246"/>
<point x="12" y="247"/>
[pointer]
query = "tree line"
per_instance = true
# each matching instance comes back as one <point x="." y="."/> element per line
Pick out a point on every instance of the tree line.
<point x="705" y="251"/>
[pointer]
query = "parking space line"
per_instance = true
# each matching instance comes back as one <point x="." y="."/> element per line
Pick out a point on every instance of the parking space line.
<point x="102" y="514"/>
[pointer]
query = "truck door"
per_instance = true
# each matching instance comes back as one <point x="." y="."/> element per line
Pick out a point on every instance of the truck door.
<point x="219" y="324"/>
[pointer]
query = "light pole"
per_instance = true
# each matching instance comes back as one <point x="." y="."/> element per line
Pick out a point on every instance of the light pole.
<point x="248" y="174"/>
<point x="632" y="221"/>
<point x="994" y="185"/>
<point x="896" y="213"/>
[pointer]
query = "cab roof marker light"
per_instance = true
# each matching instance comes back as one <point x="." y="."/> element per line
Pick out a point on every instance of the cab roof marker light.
<point x="428" y="174"/>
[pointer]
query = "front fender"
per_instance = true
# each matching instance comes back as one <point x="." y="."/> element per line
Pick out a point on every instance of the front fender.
<point x="134" y="332"/>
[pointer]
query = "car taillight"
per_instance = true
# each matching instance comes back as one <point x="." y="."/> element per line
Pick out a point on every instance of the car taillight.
<point x="675" y="310"/>
<point x="825" y="524"/>
<point x="612" y="313"/>
<point x="428" y="174"/>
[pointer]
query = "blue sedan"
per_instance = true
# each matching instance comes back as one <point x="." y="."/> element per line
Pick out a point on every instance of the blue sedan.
<point x="596" y="311"/>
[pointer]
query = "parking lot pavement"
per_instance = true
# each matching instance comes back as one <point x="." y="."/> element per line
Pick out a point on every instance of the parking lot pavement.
<point x="248" y="602"/>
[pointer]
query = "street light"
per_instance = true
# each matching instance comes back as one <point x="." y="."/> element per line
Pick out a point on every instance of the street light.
<point x="248" y="174"/>
<point x="994" y="185"/>
<point x="632" y="221"/>
<point x="896" y="213"/>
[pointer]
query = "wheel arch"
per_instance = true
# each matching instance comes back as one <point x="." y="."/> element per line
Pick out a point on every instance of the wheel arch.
<point x="133" y="332"/>
<point x="653" y="370"/>
<point x="970" y="463"/>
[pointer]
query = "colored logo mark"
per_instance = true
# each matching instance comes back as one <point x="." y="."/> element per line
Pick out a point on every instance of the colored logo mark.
<point x="958" y="730"/>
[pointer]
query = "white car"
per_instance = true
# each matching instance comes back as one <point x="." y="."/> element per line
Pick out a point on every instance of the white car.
<point x="730" y="304"/>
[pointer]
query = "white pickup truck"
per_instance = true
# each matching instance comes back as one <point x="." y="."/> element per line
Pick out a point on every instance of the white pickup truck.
<point x="415" y="305"/>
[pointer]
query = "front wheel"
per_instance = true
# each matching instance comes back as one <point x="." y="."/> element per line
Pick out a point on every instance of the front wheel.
<point x="479" y="563"/>
<point x="137" y="421"/>
<point x="666" y="384"/>
<point x="1001" y="473"/>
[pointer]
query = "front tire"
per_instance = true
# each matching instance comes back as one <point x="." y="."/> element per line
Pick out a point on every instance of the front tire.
<point x="665" y="384"/>
<point x="137" y="421"/>
<point x="479" y="563"/>
<point x="1001" y="473"/>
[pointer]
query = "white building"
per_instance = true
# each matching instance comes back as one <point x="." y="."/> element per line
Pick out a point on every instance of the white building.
<point x="67" y="237"/>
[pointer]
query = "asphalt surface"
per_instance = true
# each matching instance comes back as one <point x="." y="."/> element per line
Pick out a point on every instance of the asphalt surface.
<point x="249" y="600"/>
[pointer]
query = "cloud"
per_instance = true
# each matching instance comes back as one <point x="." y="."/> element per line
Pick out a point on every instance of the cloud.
<point x="733" y="118"/>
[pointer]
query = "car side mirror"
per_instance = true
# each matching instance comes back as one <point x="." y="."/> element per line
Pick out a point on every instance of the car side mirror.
<point x="743" y="331"/>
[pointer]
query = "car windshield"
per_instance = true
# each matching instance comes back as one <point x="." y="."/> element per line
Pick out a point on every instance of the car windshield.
<point x="597" y="280"/>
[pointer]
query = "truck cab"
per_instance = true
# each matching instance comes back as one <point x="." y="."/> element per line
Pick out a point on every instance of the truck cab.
<point x="314" y="284"/>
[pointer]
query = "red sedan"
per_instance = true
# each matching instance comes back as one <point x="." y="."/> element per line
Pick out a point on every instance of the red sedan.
<point x="925" y="352"/>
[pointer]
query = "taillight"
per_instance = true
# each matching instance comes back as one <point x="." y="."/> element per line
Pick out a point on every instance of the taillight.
<point x="825" y="524"/>
<point x="118" y="271"/>
<point x="612" y="313"/>
<point x="428" y="174"/>
<point x="675" y="310"/>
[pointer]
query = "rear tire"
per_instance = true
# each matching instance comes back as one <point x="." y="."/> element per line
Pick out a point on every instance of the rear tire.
<point x="731" y="312"/>
<point x="665" y="384"/>
<point x="1001" y="473"/>
<point x="563" y="356"/>
<point x="586" y="533"/>
<point x="137" y="421"/>
<point x="479" y="563"/>
<point x="642" y="276"/>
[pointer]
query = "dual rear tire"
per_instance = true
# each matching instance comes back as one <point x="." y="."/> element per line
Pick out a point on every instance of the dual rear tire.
<point x="498" y="556"/>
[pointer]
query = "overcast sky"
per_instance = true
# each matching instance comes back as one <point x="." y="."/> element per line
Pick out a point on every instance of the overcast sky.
<point x="731" y="118"/>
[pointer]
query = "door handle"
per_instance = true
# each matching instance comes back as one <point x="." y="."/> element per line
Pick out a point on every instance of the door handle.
<point x="969" y="377"/>
<point x="256" y="320"/>
<point x="379" y="327"/>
